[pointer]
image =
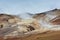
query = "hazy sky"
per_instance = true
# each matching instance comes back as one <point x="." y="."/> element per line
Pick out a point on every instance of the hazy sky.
<point x="23" y="6"/>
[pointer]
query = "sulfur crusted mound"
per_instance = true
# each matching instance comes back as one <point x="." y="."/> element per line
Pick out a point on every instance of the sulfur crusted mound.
<point x="11" y="25"/>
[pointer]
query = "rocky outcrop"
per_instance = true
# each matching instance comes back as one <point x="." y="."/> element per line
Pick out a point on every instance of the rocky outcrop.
<point x="49" y="19"/>
<point x="6" y="20"/>
<point x="56" y="21"/>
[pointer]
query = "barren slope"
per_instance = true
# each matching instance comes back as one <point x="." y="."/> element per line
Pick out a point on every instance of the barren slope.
<point x="44" y="36"/>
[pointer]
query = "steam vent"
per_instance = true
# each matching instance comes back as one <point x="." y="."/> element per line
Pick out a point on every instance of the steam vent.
<point x="41" y="26"/>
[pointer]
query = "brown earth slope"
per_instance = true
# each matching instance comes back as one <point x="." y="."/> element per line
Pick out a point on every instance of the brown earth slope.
<point x="44" y="36"/>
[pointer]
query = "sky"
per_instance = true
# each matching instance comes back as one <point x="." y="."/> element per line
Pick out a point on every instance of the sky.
<point x="27" y="6"/>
